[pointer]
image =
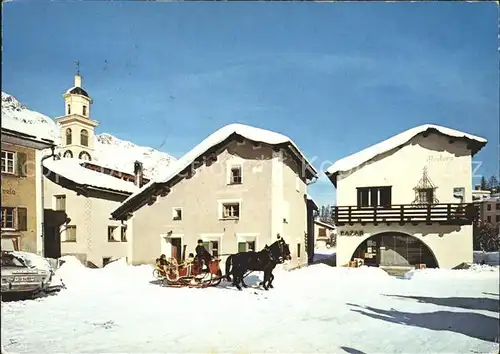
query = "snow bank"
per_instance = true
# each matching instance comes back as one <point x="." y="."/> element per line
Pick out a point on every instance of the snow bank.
<point x="475" y="271"/>
<point x="325" y="251"/>
<point x="325" y="272"/>
<point x="77" y="277"/>
<point x="490" y="258"/>
<point x="357" y="159"/>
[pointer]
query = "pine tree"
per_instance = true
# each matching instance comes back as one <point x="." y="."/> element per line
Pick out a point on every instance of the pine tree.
<point x="493" y="184"/>
<point x="484" y="184"/>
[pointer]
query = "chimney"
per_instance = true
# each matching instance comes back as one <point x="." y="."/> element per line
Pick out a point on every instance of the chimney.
<point x="138" y="173"/>
<point x="78" y="80"/>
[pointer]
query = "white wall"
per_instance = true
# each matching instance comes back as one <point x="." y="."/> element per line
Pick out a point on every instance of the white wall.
<point x="402" y="169"/>
<point x="91" y="216"/>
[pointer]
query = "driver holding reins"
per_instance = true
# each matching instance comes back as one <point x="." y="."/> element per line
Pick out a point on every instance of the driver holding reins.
<point x="202" y="255"/>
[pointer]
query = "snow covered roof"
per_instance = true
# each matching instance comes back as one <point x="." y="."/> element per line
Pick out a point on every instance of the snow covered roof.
<point x="73" y="170"/>
<point x="77" y="91"/>
<point x="312" y="200"/>
<point x="219" y="136"/>
<point x="319" y="222"/>
<point x="355" y="160"/>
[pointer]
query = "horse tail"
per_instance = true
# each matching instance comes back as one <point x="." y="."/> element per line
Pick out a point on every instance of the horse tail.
<point x="229" y="261"/>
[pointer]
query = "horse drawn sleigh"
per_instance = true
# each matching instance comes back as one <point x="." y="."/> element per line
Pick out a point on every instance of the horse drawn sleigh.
<point x="189" y="274"/>
<point x="239" y="265"/>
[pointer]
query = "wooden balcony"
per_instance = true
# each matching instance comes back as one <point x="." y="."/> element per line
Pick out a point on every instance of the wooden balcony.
<point x="445" y="214"/>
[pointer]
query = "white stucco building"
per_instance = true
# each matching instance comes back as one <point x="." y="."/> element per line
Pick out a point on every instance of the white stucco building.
<point x="237" y="190"/>
<point x="407" y="200"/>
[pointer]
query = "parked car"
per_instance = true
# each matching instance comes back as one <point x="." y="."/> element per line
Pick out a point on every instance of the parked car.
<point x="26" y="273"/>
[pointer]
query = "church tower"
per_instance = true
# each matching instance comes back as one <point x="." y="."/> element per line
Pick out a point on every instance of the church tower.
<point x="77" y="129"/>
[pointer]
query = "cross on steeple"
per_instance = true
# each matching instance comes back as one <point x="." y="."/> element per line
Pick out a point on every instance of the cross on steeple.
<point x="77" y="63"/>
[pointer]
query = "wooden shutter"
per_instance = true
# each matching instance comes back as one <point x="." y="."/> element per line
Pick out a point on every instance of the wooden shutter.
<point x="22" y="219"/>
<point x="242" y="246"/>
<point x="22" y="167"/>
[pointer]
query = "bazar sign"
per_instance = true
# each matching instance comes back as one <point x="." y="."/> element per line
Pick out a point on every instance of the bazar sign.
<point x="352" y="233"/>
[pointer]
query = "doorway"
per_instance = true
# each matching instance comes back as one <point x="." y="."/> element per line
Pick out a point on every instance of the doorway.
<point x="176" y="248"/>
<point x="395" y="249"/>
<point x="171" y="247"/>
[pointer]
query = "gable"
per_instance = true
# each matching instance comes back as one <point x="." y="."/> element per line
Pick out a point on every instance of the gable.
<point x="235" y="144"/>
<point x="385" y="148"/>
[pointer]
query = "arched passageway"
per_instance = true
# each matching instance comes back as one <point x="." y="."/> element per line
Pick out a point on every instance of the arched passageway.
<point x="395" y="249"/>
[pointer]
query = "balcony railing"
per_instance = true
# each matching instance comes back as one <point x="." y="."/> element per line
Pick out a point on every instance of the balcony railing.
<point x="451" y="214"/>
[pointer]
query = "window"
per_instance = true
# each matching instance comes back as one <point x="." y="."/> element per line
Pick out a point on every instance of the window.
<point x="298" y="250"/>
<point x="69" y="109"/>
<point x="497" y="206"/>
<point x="60" y="202"/>
<point x="235" y="175"/>
<point x="8" y="214"/>
<point x="112" y="233"/>
<point x="8" y="158"/>
<point x="15" y="218"/>
<point x="84" y="155"/>
<point x="84" y="137"/>
<point x="212" y="247"/>
<point x="70" y="233"/>
<point x="426" y="195"/>
<point x="230" y="211"/>
<point x="84" y="110"/>
<point x="246" y="246"/>
<point x="488" y="206"/>
<point x="176" y="213"/>
<point x="123" y="234"/>
<point x="374" y="197"/>
<point x="497" y="218"/>
<point x="69" y="137"/>
<point x="488" y="218"/>
<point x="322" y="232"/>
<point x="68" y="154"/>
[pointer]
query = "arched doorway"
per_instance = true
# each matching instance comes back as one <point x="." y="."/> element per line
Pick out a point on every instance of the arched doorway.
<point x="395" y="249"/>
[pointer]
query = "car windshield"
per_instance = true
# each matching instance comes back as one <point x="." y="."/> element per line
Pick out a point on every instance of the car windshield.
<point x="9" y="260"/>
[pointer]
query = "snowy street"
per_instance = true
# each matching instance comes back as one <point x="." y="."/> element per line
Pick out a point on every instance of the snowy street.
<point x="314" y="309"/>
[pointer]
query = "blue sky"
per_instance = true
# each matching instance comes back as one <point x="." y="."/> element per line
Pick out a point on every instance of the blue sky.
<point x="335" y="77"/>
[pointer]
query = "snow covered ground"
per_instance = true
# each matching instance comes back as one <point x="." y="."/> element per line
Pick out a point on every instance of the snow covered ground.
<point x="313" y="309"/>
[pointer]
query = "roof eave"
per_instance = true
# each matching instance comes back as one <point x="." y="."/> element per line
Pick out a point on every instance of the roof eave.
<point x="332" y="177"/>
<point x="133" y="204"/>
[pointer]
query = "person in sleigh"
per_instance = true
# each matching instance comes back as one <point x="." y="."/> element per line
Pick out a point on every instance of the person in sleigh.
<point x="202" y="256"/>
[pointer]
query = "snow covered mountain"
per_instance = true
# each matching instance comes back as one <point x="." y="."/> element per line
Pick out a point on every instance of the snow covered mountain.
<point x="109" y="150"/>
